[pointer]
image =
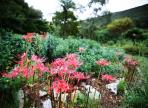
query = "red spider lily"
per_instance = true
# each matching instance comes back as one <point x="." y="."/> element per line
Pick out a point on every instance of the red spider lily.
<point x="28" y="37"/>
<point x="41" y="67"/>
<point x="73" y="64"/>
<point x="58" y="63"/>
<point x="62" y="71"/>
<point x="130" y="62"/>
<point x="23" y="59"/>
<point x="60" y="86"/>
<point x="103" y="62"/>
<point x="37" y="59"/>
<point x="78" y="75"/>
<point x="107" y="78"/>
<point x="13" y="74"/>
<point x="71" y="56"/>
<point x="25" y="72"/>
<point x="81" y="49"/>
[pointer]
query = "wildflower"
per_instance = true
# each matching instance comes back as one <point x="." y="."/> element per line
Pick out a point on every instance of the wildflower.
<point x="41" y="67"/>
<point x="130" y="62"/>
<point x="60" y="86"/>
<point x="102" y="62"/>
<point x="58" y="63"/>
<point x="78" y="75"/>
<point x="81" y="49"/>
<point x="23" y="59"/>
<point x="28" y="37"/>
<point x="12" y="74"/>
<point x="37" y="59"/>
<point x="107" y="78"/>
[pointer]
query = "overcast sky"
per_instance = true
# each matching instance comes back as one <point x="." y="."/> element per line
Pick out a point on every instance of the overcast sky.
<point x="48" y="7"/>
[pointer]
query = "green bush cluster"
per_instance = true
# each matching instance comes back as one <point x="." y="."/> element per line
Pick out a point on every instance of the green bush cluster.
<point x="120" y="25"/>
<point x="13" y="45"/>
<point x="134" y="34"/>
<point x="102" y="35"/>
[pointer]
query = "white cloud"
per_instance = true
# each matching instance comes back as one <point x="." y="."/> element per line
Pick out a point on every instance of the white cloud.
<point x="48" y="7"/>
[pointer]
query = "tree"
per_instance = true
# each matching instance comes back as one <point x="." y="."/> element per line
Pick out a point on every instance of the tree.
<point x="66" y="19"/>
<point x="88" y="30"/>
<point x="19" y="17"/>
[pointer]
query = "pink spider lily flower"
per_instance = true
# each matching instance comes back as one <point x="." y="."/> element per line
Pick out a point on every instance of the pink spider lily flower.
<point x="28" y="37"/>
<point x="81" y="49"/>
<point x="37" y="59"/>
<point x="78" y="75"/>
<point x="23" y="59"/>
<point x="41" y="67"/>
<point x="71" y="56"/>
<point x="13" y="74"/>
<point x="58" y="63"/>
<point x="73" y="64"/>
<point x="107" y="78"/>
<point x="103" y="62"/>
<point x="130" y="62"/>
<point x="60" y="86"/>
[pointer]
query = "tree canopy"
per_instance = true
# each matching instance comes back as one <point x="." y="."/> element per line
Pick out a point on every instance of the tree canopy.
<point x="65" y="19"/>
<point x="19" y="17"/>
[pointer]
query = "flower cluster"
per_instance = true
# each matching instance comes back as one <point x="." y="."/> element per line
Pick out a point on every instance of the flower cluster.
<point x="107" y="78"/>
<point x="103" y="62"/>
<point x="27" y="68"/>
<point x="60" y="86"/>
<point x="28" y="37"/>
<point x="129" y="62"/>
<point x="65" y="69"/>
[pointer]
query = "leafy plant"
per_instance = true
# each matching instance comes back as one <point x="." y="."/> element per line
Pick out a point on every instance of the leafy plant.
<point x="120" y="25"/>
<point x="121" y="87"/>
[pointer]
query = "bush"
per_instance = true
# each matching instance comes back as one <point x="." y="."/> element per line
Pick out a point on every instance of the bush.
<point x="135" y="34"/>
<point x="13" y="45"/>
<point x="120" y="25"/>
<point x="103" y="35"/>
<point x="121" y="87"/>
<point x="136" y="49"/>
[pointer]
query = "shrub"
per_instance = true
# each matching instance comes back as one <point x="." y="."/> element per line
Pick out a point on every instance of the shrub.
<point x="102" y="35"/>
<point x="12" y="45"/>
<point x="134" y="34"/>
<point x="121" y="87"/>
<point x="120" y="25"/>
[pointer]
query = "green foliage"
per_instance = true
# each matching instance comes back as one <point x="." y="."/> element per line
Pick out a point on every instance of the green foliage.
<point x="9" y="93"/>
<point x="82" y="101"/>
<point x="93" y="52"/>
<point x="87" y="29"/>
<point x="134" y="34"/>
<point x="66" y="20"/>
<point x="19" y="17"/>
<point x="120" y="25"/>
<point x="121" y="87"/>
<point x="103" y="35"/>
<point x="137" y="96"/>
<point x="12" y="45"/>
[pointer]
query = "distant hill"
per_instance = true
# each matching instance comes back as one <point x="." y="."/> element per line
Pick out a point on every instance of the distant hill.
<point x="138" y="14"/>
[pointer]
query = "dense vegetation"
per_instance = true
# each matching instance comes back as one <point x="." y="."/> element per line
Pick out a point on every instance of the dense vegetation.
<point x="16" y="15"/>
<point x="81" y="49"/>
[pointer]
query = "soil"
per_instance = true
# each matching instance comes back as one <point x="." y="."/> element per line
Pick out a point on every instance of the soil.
<point x="108" y="99"/>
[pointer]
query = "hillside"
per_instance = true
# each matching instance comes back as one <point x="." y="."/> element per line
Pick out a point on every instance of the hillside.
<point x="138" y="14"/>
